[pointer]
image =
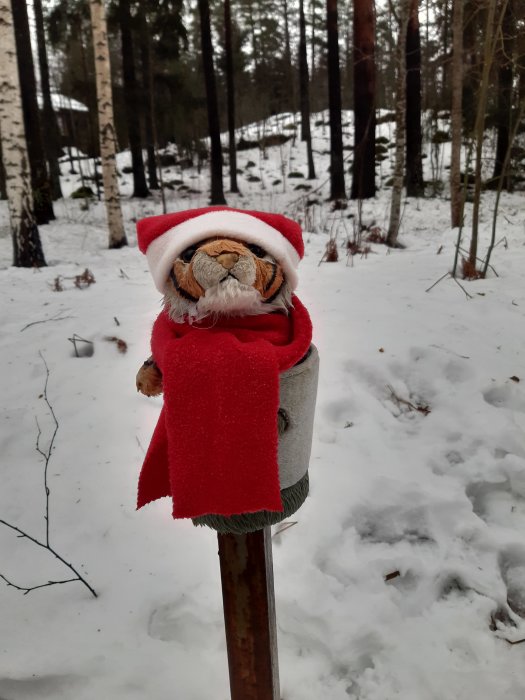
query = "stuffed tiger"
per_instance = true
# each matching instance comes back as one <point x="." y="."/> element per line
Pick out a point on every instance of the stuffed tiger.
<point x="214" y="277"/>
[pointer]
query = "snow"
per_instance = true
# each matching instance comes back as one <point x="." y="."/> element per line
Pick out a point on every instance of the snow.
<point x="63" y="102"/>
<point x="439" y="498"/>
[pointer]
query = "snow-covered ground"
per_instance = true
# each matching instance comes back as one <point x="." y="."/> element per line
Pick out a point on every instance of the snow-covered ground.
<point x="404" y="575"/>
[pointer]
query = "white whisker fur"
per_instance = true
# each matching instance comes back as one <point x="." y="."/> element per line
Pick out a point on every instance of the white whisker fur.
<point x="228" y="298"/>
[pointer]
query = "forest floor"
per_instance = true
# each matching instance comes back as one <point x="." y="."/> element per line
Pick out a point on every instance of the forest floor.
<point x="403" y="575"/>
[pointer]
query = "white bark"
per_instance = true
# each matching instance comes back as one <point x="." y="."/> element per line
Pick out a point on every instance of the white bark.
<point x="399" y="163"/>
<point x="106" y="127"/>
<point x="26" y="243"/>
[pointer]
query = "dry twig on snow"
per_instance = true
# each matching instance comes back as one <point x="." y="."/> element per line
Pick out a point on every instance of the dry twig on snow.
<point x="46" y="543"/>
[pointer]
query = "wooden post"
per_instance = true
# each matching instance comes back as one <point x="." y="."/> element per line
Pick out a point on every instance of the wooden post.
<point x="249" y="615"/>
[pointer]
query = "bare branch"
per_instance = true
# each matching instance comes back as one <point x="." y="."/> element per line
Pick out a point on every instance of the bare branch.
<point x="46" y="544"/>
<point x="46" y="320"/>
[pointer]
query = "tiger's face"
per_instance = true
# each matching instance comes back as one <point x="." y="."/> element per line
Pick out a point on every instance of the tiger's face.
<point x="221" y="276"/>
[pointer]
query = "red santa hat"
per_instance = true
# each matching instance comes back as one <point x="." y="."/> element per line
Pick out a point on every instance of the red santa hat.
<point x="163" y="238"/>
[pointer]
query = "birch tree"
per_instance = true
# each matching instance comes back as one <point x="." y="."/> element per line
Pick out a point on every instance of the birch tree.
<point x="106" y="128"/>
<point x="27" y="248"/>
<point x="402" y="17"/>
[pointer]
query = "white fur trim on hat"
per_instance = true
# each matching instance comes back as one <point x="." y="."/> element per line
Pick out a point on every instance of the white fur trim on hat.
<point x="165" y="249"/>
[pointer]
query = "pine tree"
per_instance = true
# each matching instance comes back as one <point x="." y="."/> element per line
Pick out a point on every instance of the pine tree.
<point x="42" y="202"/>
<point x="52" y="140"/>
<point x="132" y="100"/>
<point x="217" y="193"/>
<point x="363" y="171"/>
<point x="403" y="14"/>
<point x="304" y="91"/>
<point x="230" y="87"/>
<point x="337" y="178"/>
<point x="414" y="163"/>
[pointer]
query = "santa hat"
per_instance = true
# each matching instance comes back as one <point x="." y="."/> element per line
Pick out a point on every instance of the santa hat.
<point x="163" y="238"/>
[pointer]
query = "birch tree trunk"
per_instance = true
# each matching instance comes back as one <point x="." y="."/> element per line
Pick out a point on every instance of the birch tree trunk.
<point x="27" y="248"/>
<point x="106" y="129"/>
<point x="397" y="187"/>
<point x="456" y="195"/>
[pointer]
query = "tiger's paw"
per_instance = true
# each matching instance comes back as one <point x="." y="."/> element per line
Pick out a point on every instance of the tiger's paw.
<point x="149" y="379"/>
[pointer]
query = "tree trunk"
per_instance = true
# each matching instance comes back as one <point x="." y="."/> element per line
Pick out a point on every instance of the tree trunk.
<point x="52" y="140"/>
<point x="217" y="194"/>
<point x="363" y="172"/>
<point x="230" y="88"/>
<point x="147" y="87"/>
<point x="471" y="63"/>
<point x="3" y="191"/>
<point x="397" y="187"/>
<point x="456" y="194"/>
<point x="27" y="248"/>
<point x="414" y="164"/>
<point x="505" y="83"/>
<point x="304" y="90"/>
<point x="132" y="101"/>
<point x="479" y="127"/>
<point x="337" y="177"/>
<point x="288" y="58"/>
<point x="106" y="128"/>
<point x="42" y="202"/>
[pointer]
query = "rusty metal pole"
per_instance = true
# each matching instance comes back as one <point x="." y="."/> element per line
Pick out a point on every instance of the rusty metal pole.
<point x="249" y="615"/>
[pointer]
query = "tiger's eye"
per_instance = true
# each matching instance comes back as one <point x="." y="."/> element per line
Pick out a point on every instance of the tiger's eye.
<point x="257" y="250"/>
<point x="188" y="254"/>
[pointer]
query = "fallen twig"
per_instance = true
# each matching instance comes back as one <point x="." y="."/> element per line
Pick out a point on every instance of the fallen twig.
<point x="284" y="526"/>
<point x="420" y="408"/>
<point x="77" y="339"/>
<point x="46" y="544"/>
<point x="46" y="320"/>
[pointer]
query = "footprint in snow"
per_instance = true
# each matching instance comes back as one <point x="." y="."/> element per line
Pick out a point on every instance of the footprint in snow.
<point x="497" y="503"/>
<point x="512" y="565"/>
<point x="38" y="686"/>
<point x="506" y="396"/>
<point x="178" y="621"/>
<point x="393" y="524"/>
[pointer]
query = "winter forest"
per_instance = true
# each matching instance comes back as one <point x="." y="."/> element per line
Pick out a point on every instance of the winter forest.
<point x="393" y="132"/>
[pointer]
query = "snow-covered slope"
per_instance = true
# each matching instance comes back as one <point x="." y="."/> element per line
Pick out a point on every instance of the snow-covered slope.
<point x="433" y="501"/>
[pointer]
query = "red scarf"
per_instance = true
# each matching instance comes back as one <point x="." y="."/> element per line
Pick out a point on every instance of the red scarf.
<point x="214" y="449"/>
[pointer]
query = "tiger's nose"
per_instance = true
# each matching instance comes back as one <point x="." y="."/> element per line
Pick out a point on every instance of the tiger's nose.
<point x="227" y="260"/>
